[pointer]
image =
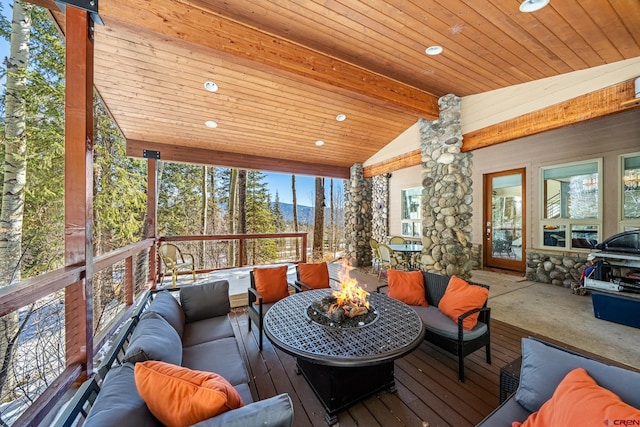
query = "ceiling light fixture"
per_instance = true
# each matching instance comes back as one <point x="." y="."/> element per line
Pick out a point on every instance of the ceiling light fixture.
<point x="211" y="124"/>
<point x="341" y="117"/>
<point x="319" y="143"/>
<point x="533" y="5"/>
<point x="433" y="50"/>
<point x="211" y="86"/>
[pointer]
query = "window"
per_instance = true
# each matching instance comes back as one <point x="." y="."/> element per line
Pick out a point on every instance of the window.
<point x="412" y="212"/>
<point x="630" y="191"/>
<point x="571" y="206"/>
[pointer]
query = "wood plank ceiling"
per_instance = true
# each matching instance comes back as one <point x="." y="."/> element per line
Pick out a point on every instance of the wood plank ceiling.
<point x="286" y="68"/>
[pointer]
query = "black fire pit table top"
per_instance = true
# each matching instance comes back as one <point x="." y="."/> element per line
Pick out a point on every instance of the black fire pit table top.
<point x="395" y="332"/>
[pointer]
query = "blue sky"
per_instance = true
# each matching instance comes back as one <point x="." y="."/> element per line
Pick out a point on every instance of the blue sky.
<point x="281" y="183"/>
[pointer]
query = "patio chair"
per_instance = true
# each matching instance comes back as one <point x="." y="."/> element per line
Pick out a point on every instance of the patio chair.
<point x="268" y="286"/>
<point x="375" y="253"/>
<point x="174" y="260"/>
<point x="390" y="259"/>
<point x="311" y="276"/>
<point x="397" y="240"/>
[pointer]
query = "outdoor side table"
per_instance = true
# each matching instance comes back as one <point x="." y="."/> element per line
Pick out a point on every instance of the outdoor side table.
<point x="509" y="378"/>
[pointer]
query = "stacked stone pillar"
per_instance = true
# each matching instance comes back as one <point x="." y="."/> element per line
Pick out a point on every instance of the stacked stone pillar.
<point x="380" y="201"/>
<point x="447" y="193"/>
<point x="358" y="217"/>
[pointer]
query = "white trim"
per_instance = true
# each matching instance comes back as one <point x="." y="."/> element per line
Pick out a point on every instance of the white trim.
<point x="622" y="222"/>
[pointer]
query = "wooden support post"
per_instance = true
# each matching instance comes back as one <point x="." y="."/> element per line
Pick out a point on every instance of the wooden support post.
<point x="304" y="248"/>
<point x="78" y="182"/>
<point x="152" y="209"/>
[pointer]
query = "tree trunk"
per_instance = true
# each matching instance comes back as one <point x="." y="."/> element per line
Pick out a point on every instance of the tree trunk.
<point x="242" y="210"/>
<point x="15" y="171"/>
<point x="231" y="209"/>
<point x="204" y="213"/>
<point x="332" y="230"/>
<point x="318" y="222"/>
<point x="295" y="212"/>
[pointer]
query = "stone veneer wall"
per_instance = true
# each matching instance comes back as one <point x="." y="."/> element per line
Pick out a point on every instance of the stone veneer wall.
<point x="358" y="217"/>
<point x="380" y="203"/>
<point x="557" y="268"/>
<point x="447" y="193"/>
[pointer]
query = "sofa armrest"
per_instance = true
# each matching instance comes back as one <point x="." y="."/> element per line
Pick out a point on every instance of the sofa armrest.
<point x="254" y="296"/>
<point x="300" y="286"/>
<point x="485" y="313"/>
<point x="379" y="288"/>
<point x="275" y="411"/>
<point x="79" y="405"/>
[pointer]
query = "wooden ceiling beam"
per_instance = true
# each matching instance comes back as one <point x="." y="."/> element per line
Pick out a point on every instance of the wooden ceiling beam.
<point x="600" y="103"/>
<point x="203" y="156"/>
<point x="244" y="43"/>
<point x="403" y="161"/>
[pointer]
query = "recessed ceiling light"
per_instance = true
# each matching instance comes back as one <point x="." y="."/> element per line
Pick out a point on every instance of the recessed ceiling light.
<point x="341" y="117"/>
<point x="211" y="86"/>
<point x="433" y="50"/>
<point x="533" y="5"/>
<point x="319" y="143"/>
<point x="211" y="124"/>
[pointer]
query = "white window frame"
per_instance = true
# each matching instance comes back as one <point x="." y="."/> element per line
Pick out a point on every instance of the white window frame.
<point x="625" y="224"/>
<point x="413" y="224"/>
<point x="569" y="223"/>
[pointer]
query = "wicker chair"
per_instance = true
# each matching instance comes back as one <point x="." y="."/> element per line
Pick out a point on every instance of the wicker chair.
<point x="174" y="261"/>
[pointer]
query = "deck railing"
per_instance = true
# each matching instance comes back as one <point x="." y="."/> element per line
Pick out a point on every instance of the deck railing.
<point x="118" y="278"/>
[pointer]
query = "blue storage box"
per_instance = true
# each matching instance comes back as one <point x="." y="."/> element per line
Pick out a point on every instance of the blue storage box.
<point x="618" y="308"/>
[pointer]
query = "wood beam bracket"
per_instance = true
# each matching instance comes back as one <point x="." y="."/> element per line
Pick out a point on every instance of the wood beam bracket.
<point x="90" y="6"/>
<point x="151" y="154"/>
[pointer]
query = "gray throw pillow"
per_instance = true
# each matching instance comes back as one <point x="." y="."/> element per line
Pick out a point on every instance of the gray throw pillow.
<point x="119" y="404"/>
<point x="154" y="339"/>
<point x="167" y="306"/>
<point x="544" y="367"/>
<point x="205" y="301"/>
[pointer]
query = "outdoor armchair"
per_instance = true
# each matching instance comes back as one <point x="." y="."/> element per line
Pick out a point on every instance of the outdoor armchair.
<point x="174" y="261"/>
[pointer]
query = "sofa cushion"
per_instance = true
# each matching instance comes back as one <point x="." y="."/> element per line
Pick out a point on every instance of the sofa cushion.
<point x="505" y="414"/>
<point x="580" y="401"/>
<point x="271" y="283"/>
<point x="119" y="404"/>
<point x="544" y="366"/>
<point x="221" y="356"/>
<point x="407" y="286"/>
<point x="154" y="339"/>
<point x="314" y="275"/>
<point x="245" y="393"/>
<point x="435" y="321"/>
<point x="169" y="308"/>
<point x="179" y="396"/>
<point x="275" y="411"/>
<point x="205" y="330"/>
<point x="461" y="297"/>
<point x="205" y="300"/>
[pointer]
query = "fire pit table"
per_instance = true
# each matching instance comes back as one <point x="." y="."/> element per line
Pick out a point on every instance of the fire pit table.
<point x="343" y="365"/>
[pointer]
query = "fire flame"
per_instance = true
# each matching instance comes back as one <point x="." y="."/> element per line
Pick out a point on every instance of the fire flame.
<point x="351" y="294"/>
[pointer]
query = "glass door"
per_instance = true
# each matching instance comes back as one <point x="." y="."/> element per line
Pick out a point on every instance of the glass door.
<point x="504" y="220"/>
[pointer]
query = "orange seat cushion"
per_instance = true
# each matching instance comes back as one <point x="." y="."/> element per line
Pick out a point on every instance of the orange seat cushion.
<point x="271" y="283"/>
<point x="580" y="401"/>
<point x="314" y="275"/>
<point x="460" y="297"/>
<point x="407" y="286"/>
<point x="179" y="396"/>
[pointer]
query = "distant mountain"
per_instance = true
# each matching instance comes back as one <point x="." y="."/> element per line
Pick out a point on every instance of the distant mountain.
<point x="305" y="213"/>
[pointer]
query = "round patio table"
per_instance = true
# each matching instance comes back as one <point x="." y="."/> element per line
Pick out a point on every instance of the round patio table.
<point x="344" y="365"/>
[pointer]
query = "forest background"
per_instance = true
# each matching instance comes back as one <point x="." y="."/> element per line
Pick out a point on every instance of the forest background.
<point x="192" y="200"/>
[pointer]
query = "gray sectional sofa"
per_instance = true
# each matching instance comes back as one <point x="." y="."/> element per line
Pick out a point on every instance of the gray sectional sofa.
<point x="195" y="333"/>
<point x="543" y="368"/>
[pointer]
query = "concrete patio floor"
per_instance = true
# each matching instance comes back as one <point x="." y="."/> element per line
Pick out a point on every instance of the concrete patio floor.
<point x="541" y="308"/>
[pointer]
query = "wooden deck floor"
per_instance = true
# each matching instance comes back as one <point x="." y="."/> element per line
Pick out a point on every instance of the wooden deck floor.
<point x="428" y="391"/>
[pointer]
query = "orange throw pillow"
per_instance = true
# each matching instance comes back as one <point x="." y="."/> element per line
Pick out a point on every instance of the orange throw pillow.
<point x="179" y="396"/>
<point x="271" y="283"/>
<point x="580" y="401"/>
<point x="314" y="275"/>
<point x="407" y="286"/>
<point x="460" y="297"/>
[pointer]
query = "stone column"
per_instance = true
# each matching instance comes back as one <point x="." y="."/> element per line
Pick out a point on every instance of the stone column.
<point x="358" y="214"/>
<point x="447" y="193"/>
<point x="380" y="201"/>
